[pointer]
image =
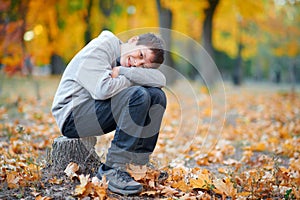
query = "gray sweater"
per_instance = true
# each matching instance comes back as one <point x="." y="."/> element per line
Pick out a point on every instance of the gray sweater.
<point x="88" y="76"/>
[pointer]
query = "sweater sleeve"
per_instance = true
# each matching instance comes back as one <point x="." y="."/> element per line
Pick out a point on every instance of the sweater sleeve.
<point x="144" y="76"/>
<point x="94" y="68"/>
<point x="101" y="85"/>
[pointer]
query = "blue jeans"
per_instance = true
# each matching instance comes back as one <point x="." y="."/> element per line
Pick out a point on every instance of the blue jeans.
<point x="135" y="114"/>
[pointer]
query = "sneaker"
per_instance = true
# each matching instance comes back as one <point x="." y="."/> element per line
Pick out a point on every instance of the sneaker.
<point x="120" y="181"/>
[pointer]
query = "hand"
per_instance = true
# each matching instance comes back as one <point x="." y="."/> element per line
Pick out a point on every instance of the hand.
<point x="115" y="72"/>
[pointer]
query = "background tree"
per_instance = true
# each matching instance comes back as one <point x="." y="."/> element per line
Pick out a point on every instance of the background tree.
<point x="208" y="26"/>
<point x="248" y="38"/>
<point x="165" y="23"/>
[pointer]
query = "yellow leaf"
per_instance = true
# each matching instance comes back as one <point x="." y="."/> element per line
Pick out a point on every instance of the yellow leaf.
<point x="203" y="161"/>
<point x="181" y="185"/>
<point x="221" y="170"/>
<point x="197" y="183"/>
<point x="203" y="181"/>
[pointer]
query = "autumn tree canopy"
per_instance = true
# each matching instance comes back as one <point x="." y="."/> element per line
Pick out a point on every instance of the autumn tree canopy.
<point x="44" y="28"/>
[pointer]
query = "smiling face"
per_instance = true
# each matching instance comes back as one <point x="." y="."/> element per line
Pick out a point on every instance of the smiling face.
<point x="135" y="55"/>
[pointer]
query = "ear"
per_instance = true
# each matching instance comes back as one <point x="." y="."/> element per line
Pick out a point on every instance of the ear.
<point x="133" y="39"/>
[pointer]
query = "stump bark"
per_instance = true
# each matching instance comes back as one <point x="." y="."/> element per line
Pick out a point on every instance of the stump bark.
<point x="78" y="150"/>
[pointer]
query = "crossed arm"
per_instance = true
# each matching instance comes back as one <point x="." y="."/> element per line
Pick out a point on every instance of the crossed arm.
<point x="141" y="76"/>
<point x="115" y="72"/>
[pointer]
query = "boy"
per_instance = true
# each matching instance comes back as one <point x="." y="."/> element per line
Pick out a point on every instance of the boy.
<point x="110" y="85"/>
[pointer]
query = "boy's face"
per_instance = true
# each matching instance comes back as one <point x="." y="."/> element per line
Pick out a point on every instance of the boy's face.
<point x="133" y="55"/>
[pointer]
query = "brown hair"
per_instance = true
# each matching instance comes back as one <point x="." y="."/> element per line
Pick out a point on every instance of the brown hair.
<point x="155" y="44"/>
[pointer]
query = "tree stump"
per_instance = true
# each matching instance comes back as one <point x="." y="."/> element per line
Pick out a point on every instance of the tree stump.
<point x="78" y="150"/>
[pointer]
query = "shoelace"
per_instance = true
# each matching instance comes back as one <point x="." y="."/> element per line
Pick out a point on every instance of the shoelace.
<point x="124" y="176"/>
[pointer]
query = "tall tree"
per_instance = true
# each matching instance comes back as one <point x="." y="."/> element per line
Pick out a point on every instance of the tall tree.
<point x="207" y="71"/>
<point x="87" y="19"/>
<point x="106" y="7"/>
<point x="165" y="23"/>
<point x="208" y="26"/>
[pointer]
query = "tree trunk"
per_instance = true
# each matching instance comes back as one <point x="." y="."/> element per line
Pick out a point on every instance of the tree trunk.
<point x="237" y="70"/>
<point x="207" y="27"/>
<point x="207" y="73"/>
<point x="57" y="64"/>
<point x="292" y="72"/>
<point x="165" y="23"/>
<point x="78" y="150"/>
<point x="87" y="19"/>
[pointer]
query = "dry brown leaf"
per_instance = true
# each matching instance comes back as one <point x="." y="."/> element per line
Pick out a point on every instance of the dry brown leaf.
<point x="168" y="191"/>
<point x="138" y="172"/>
<point x="12" y="180"/>
<point x="178" y="173"/>
<point x="55" y="180"/>
<point x="71" y="170"/>
<point x="80" y="189"/>
<point x="231" y="161"/>
<point x="246" y="156"/>
<point x="42" y="198"/>
<point x="149" y="193"/>
<point x="100" y="187"/>
<point x="101" y="192"/>
<point x="225" y="186"/>
<point x="203" y="161"/>
<point x="215" y="156"/>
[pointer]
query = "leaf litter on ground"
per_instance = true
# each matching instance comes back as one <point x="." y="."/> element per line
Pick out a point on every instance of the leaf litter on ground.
<point x="257" y="154"/>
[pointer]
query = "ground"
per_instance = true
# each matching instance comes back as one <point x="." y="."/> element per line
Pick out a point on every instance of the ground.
<point x="228" y="142"/>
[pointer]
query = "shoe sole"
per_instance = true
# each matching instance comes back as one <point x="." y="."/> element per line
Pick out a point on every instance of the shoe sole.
<point x="124" y="192"/>
<point x="120" y="191"/>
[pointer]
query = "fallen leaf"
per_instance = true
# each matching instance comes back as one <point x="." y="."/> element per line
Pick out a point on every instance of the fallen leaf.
<point x="55" y="180"/>
<point x="42" y="198"/>
<point x="71" y="170"/>
<point x="203" y="181"/>
<point x="181" y="185"/>
<point x="80" y="189"/>
<point x="100" y="187"/>
<point x="168" y="191"/>
<point x="261" y="146"/>
<point x="149" y="193"/>
<point x="246" y="156"/>
<point x="225" y="186"/>
<point x="12" y="180"/>
<point x="138" y="172"/>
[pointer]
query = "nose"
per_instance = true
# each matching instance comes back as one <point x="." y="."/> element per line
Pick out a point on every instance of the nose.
<point x="139" y="62"/>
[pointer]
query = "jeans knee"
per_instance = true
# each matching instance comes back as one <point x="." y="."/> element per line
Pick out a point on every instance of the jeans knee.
<point x="158" y="96"/>
<point x="141" y="95"/>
